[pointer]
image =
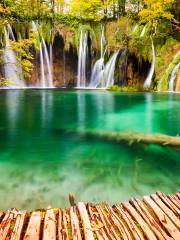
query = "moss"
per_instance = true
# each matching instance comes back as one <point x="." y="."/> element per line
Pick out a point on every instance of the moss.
<point x="167" y="59"/>
<point x="116" y="88"/>
<point x="117" y="33"/>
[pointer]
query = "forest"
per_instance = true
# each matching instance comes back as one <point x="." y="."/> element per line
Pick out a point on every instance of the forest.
<point x="136" y="29"/>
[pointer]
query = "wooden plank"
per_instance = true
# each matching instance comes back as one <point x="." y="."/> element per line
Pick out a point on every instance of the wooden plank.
<point x="166" y="200"/>
<point x="159" y="232"/>
<point x="166" y="210"/>
<point x="157" y="217"/>
<point x="88" y="234"/>
<point x="33" y="228"/>
<point x="147" y="231"/>
<point x="118" y="222"/>
<point x="137" y="235"/>
<point x="60" y="226"/>
<point x="163" y="218"/>
<point x="6" y="223"/>
<point x="76" y="234"/>
<point x="1" y="216"/>
<point x="49" y="230"/>
<point x="17" y="231"/>
<point x="178" y="194"/>
<point x="111" y="232"/>
<point x="175" y="202"/>
<point x="65" y="235"/>
<point x="96" y="224"/>
<point x="177" y="199"/>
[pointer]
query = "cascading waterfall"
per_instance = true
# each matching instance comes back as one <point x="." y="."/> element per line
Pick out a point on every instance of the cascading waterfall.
<point x="10" y="32"/>
<point x="12" y="70"/>
<point x="43" y="81"/>
<point x="97" y="73"/>
<point x="49" y="80"/>
<point x="98" y="69"/>
<point x="135" y="28"/>
<point x="108" y="74"/>
<point x="103" y="75"/>
<point x="143" y="31"/>
<point x="51" y="60"/>
<point x="148" y="80"/>
<point x="103" y="43"/>
<point x="165" y="76"/>
<point x="45" y="58"/>
<point x="82" y="60"/>
<point x="173" y="77"/>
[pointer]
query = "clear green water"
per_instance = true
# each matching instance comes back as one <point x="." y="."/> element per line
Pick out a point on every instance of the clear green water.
<point x="40" y="163"/>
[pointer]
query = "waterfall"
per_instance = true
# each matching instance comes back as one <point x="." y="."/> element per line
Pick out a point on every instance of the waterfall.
<point x="42" y="80"/>
<point x="98" y="69"/>
<point x="97" y="73"/>
<point x="49" y="81"/>
<point x="135" y="28"/>
<point x="163" y="83"/>
<point x="103" y="43"/>
<point x="82" y="60"/>
<point x="143" y="31"/>
<point x="173" y="77"/>
<point x="103" y="75"/>
<point x="148" y="80"/>
<point x="108" y="73"/>
<point x="45" y="58"/>
<point x="51" y="60"/>
<point x="12" y="70"/>
<point x="10" y="32"/>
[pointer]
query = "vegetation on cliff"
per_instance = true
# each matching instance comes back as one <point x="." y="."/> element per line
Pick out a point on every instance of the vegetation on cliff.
<point x="123" y="21"/>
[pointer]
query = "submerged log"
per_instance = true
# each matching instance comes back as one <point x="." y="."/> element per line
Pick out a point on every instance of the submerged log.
<point x="134" y="137"/>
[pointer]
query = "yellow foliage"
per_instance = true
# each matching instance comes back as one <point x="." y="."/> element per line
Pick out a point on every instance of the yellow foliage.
<point x="156" y="9"/>
<point x="6" y="10"/>
<point x="91" y="9"/>
<point x="24" y="57"/>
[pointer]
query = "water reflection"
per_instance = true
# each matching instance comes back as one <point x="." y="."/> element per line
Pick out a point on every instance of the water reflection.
<point x="149" y="113"/>
<point x="102" y="104"/>
<point x="81" y="110"/>
<point x="46" y="108"/>
<point x="14" y="106"/>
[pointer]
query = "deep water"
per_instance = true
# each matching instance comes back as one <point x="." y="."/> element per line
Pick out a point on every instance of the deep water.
<point x="41" y="162"/>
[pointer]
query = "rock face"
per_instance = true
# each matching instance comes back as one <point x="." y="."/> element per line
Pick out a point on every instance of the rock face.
<point x="64" y="68"/>
<point x="136" y="71"/>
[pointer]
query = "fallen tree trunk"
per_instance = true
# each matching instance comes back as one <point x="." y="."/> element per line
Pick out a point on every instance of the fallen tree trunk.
<point x="134" y="137"/>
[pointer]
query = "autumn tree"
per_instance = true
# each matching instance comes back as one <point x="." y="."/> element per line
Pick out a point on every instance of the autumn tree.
<point x="155" y="10"/>
<point x="92" y="10"/>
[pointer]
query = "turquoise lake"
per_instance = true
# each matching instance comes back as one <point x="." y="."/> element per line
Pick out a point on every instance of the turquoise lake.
<point x="40" y="162"/>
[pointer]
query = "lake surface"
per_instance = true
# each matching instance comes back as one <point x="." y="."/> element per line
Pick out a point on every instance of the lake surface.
<point x="40" y="162"/>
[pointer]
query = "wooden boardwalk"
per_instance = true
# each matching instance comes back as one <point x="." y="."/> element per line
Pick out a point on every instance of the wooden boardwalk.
<point x="154" y="217"/>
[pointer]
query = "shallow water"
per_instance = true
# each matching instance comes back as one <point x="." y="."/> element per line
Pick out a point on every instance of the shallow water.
<point x="40" y="162"/>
